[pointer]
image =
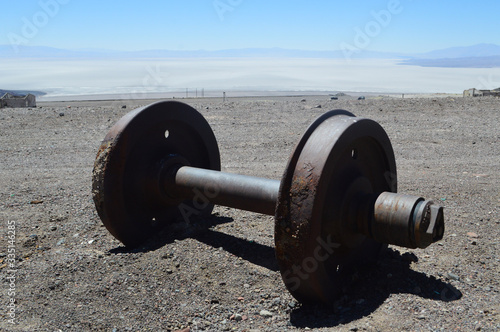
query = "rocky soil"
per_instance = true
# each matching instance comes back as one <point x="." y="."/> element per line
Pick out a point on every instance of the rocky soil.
<point x="220" y="274"/>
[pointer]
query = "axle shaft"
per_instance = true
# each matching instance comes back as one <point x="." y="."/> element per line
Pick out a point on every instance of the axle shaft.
<point x="398" y="219"/>
<point x="232" y="190"/>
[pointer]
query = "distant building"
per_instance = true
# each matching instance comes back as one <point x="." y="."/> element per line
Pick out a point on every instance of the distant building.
<point x="10" y="100"/>
<point x="474" y="93"/>
<point x="495" y="92"/>
<point x="482" y="93"/>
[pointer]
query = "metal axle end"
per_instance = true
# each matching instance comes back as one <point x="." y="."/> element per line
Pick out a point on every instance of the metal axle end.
<point x="428" y="224"/>
<point x="407" y="221"/>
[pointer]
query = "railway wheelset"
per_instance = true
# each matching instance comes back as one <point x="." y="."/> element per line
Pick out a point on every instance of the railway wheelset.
<point x="335" y="206"/>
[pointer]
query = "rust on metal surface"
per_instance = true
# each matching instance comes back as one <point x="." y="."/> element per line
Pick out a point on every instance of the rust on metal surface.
<point x="407" y="221"/>
<point x="126" y="188"/>
<point x="232" y="190"/>
<point x="98" y="178"/>
<point x="339" y="157"/>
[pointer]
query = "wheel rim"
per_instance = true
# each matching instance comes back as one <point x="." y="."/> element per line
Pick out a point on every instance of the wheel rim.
<point x="340" y="156"/>
<point x="126" y="185"/>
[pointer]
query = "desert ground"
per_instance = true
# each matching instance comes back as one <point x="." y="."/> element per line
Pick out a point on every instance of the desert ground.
<point x="70" y="274"/>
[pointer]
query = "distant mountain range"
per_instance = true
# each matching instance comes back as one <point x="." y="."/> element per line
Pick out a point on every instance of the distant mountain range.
<point x="6" y="51"/>
<point x="466" y="62"/>
<point x="476" y="56"/>
<point x="479" y="50"/>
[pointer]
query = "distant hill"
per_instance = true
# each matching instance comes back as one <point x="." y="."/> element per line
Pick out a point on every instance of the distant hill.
<point x="479" y="50"/>
<point x="7" y="51"/>
<point x="475" y="56"/>
<point x="22" y="92"/>
<point x="468" y="62"/>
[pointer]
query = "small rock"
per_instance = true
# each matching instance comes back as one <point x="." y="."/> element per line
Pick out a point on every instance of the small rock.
<point x="317" y="106"/>
<point x="60" y="242"/>
<point x="453" y="276"/>
<point x="237" y="317"/>
<point x="472" y="235"/>
<point x="30" y="241"/>
<point x="246" y="285"/>
<point x="124" y="106"/>
<point x="303" y="100"/>
<point x="187" y="329"/>
<point x="265" y="313"/>
<point x="57" y="219"/>
<point x="61" y="114"/>
<point x="53" y="228"/>
<point x="291" y="304"/>
<point x="241" y="298"/>
<point x="421" y="317"/>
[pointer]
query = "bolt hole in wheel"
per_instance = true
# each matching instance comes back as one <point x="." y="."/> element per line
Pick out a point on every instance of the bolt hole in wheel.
<point x="354" y="154"/>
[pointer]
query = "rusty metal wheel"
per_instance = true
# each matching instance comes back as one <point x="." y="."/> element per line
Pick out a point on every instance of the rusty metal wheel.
<point x="126" y="185"/>
<point x="341" y="163"/>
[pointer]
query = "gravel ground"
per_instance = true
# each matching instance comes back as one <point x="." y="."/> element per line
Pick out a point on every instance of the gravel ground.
<point x="220" y="274"/>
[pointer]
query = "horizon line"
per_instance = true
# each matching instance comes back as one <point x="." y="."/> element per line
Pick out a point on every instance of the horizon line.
<point x="98" y="49"/>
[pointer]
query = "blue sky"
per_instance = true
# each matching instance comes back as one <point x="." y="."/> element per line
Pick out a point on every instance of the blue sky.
<point x="389" y="25"/>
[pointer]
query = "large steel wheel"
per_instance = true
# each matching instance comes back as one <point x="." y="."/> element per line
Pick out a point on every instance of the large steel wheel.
<point x="126" y="184"/>
<point x="341" y="159"/>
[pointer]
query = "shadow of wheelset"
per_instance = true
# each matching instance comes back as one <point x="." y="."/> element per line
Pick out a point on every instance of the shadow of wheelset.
<point x="370" y="287"/>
